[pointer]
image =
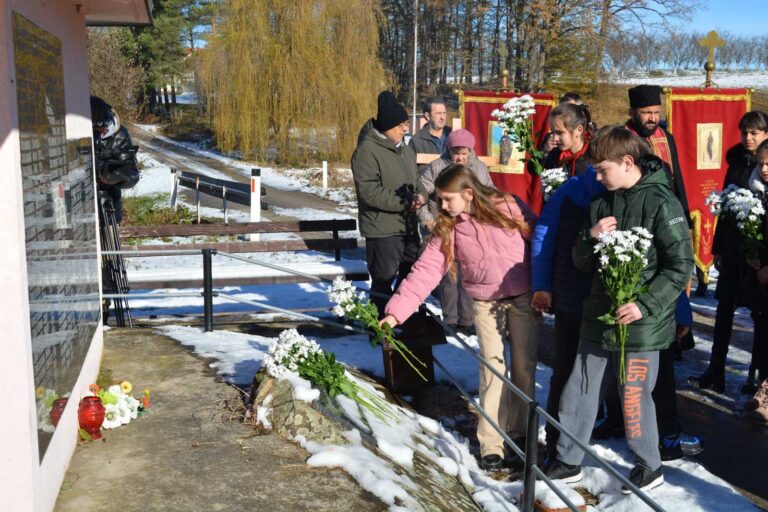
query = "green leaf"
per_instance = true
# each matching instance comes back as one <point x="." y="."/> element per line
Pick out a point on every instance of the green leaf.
<point x="608" y="318"/>
<point x="84" y="435"/>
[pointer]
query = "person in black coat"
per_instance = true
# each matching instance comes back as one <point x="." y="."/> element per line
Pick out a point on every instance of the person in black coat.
<point x="726" y="247"/>
<point x="114" y="156"/>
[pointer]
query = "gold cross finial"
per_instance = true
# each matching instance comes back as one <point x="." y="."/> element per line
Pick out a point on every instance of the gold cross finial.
<point x="711" y="42"/>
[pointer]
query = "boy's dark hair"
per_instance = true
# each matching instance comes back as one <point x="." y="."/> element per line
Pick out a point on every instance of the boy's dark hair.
<point x="571" y="96"/>
<point x="762" y="147"/>
<point x="614" y="142"/>
<point x="426" y="105"/>
<point x="754" y="120"/>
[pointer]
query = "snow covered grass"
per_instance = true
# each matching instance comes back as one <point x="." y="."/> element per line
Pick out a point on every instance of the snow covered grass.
<point x="722" y="78"/>
<point x="689" y="486"/>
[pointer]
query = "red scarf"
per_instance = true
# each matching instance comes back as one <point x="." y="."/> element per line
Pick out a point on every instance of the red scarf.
<point x="659" y="143"/>
<point x="569" y="159"/>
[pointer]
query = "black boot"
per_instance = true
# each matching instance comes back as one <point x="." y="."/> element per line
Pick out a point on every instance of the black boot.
<point x="713" y="378"/>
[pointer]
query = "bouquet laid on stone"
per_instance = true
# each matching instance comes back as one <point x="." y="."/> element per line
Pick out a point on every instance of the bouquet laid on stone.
<point x="622" y="259"/>
<point x="516" y="122"/>
<point x="741" y="206"/>
<point x="293" y="354"/>
<point x="551" y="179"/>
<point x="358" y="307"/>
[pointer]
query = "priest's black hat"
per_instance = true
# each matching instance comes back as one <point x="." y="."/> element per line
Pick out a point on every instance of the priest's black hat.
<point x="644" y="96"/>
<point x="390" y="112"/>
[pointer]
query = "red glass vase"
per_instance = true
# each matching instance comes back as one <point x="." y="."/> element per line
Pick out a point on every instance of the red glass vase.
<point x="57" y="409"/>
<point x="90" y="414"/>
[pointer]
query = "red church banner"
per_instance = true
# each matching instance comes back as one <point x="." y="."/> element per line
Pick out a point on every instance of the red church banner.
<point x="705" y="124"/>
<point x="475" y="110"/>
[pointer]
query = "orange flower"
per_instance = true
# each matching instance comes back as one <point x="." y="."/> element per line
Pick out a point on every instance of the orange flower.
<point x="94" y="388"/>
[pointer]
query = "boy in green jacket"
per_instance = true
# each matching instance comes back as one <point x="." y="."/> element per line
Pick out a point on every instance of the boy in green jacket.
<point x="638" y="195"/>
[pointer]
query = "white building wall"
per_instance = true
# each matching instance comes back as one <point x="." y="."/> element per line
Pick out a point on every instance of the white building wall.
<point x="26" y="484"/>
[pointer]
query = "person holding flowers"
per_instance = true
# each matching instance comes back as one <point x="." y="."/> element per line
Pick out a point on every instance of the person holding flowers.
<point x="727" y="247"/>
<point x="637" y="245"/>
<point x="756" y="290"/>
<point x="487" y="233"/>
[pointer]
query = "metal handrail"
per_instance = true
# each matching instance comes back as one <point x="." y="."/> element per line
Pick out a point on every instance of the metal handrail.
<point x="531" y="468"/>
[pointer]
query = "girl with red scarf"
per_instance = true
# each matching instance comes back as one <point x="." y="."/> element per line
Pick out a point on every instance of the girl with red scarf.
<point x="570" y="126"/>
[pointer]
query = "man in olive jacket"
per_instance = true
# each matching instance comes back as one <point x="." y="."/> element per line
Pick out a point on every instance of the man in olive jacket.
<point x="639" y="196"/>
<point x="388" y="196"/>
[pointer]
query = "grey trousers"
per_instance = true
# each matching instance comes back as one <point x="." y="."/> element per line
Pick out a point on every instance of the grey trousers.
<point x="581" y="397"/>
<point x="455" y="301"/>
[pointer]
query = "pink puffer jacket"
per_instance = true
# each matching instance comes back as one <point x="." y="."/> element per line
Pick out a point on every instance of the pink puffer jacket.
<point x="495" y="262"/>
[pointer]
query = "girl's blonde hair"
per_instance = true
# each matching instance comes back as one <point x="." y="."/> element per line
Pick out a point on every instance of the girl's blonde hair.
<point x="458" y="178"/>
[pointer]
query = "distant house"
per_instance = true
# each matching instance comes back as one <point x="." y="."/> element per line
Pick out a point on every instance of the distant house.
<point x="49" y="260"/>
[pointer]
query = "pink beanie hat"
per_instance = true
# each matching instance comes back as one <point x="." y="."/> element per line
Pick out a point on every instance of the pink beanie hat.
<point x="461" y="138"/>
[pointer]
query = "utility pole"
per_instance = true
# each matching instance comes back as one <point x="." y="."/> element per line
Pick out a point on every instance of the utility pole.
<point x="415" y="54"/>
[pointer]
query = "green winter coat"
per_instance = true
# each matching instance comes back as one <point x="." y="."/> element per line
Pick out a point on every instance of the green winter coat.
<point x="652" y="205"/>
<point x="385" y="178"/>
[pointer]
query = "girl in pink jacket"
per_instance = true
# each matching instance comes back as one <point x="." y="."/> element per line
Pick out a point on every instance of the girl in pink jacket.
<point x="488" y="232"/>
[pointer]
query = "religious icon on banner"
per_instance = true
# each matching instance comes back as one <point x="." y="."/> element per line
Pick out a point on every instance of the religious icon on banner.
<point x="500" y="147"/>
<point x="709" y="146"/>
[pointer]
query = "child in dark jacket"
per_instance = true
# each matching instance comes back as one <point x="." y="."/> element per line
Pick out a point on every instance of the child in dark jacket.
<point x="638" y="196"/>
<point x="755" y="292"/>
<point x="570" y="133"/>
<point x="725" y="248"/>
<point x="558" y="286"/>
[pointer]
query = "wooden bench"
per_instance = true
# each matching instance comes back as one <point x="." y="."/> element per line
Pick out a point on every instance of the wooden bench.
<point x="247" y="274"/>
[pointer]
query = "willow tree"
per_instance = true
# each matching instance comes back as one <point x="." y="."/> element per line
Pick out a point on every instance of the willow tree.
<point x="300" y="77"/>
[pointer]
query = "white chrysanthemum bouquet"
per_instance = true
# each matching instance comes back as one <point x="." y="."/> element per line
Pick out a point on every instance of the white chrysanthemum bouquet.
<point x="515" y="119"/>
<point x="292" y="353"/>
<point x="622" y="259"/>
<point x="741" y="205"/>
<point x="551" y="179"/>
<point x="358" y="307"/>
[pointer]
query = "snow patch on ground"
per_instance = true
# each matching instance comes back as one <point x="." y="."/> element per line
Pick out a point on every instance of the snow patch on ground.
<point x="722" y="78"/>
<point x="689" y="486"/>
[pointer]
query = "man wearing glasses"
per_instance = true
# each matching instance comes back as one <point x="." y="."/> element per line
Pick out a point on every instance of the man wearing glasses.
<point x="388" y="196"/>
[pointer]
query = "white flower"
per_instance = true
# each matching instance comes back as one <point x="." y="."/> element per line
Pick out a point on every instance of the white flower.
<point x="287" y="352"/>
<point x="551" y="179"/>
<point x="111" y="417"/>
<point x="133" y="407"/>
<point x="116" y="390"/>
<point x="124" y="411"/>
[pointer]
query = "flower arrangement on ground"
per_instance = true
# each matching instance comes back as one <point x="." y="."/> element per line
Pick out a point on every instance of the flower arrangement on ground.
<point x="515" y="120"/>
<point x="120" y="406"/>
<point x="292" y="353"/>
<point x="358" y="307"/>
<point x="741" y="206"/>
<point x="551" y="179"/>
<point x="622" y="259"/>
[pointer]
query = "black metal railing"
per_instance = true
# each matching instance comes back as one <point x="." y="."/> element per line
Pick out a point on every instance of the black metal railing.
<point x="531" y="469"/>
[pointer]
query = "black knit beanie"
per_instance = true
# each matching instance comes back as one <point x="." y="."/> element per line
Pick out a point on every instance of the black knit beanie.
<point x="390" y="113"/>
